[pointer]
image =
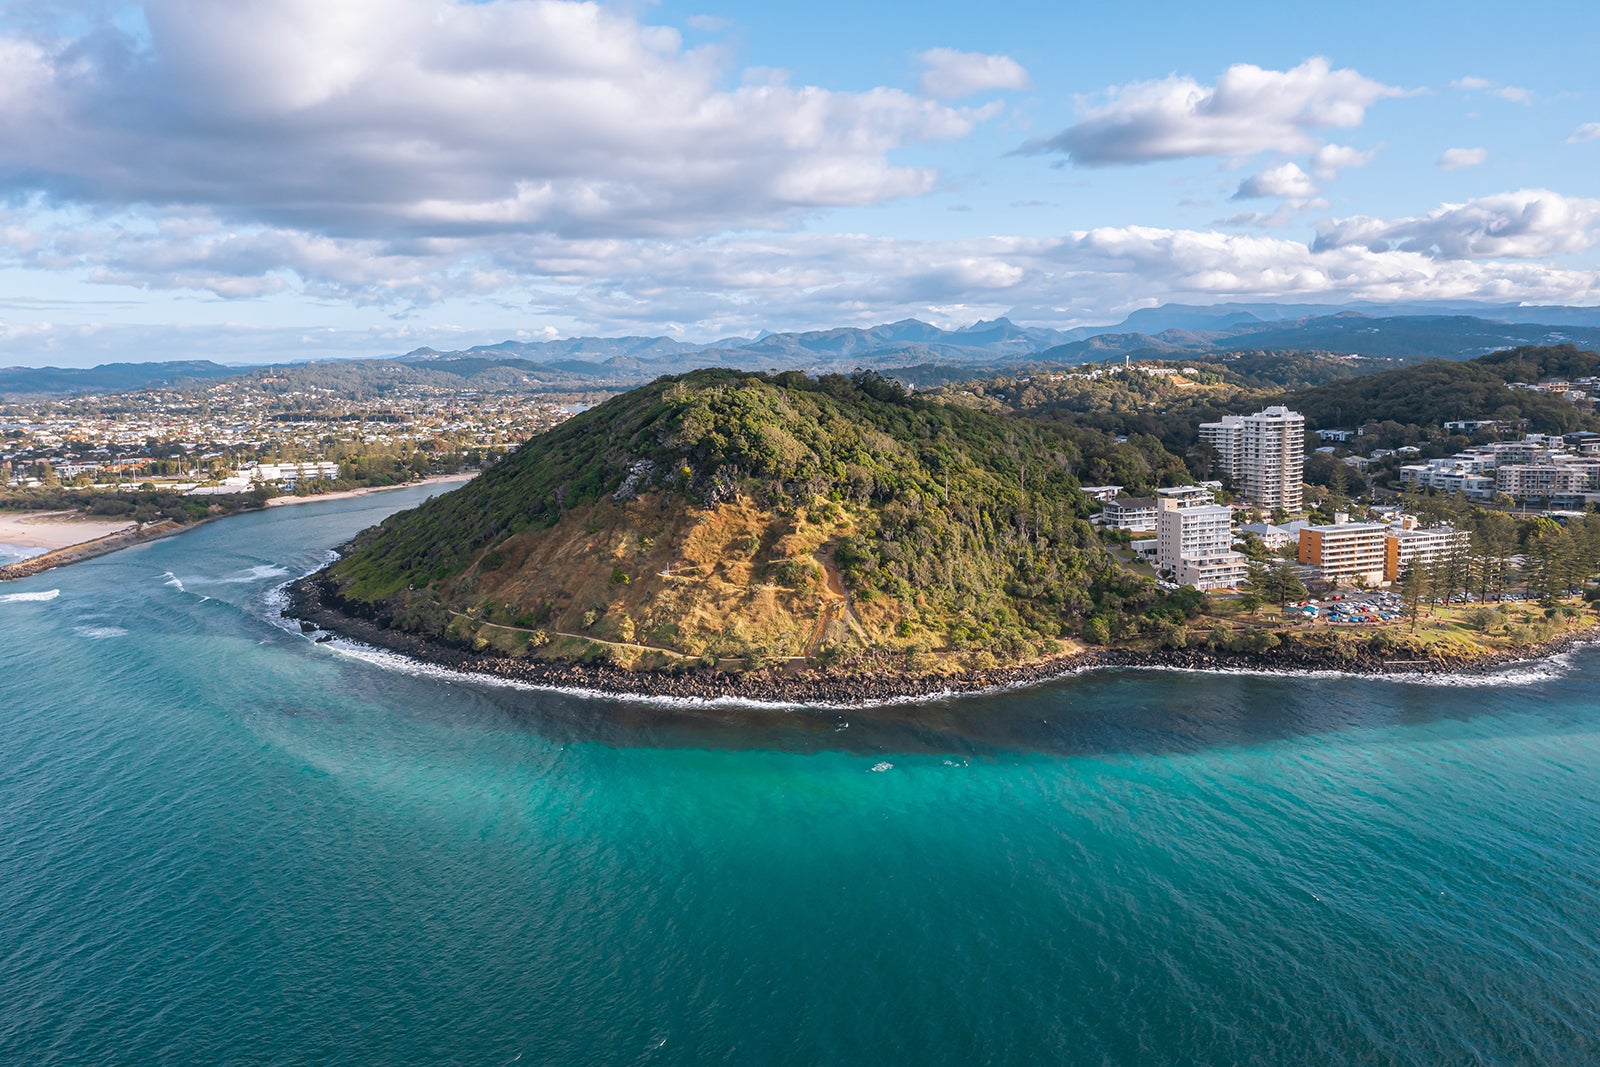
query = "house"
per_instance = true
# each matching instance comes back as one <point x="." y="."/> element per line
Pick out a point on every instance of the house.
<point x="1273" y="537"/>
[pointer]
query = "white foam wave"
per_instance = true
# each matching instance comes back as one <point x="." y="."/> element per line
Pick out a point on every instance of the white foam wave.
<point x="399" y="662"/>
<point x="10" y="553"/>
<point x="879" y="768"/>
<point x="172" y="580"/>
<point x="1531" y="672"/>
<point x="99" y="633"/>
<point x="275" y="602"/>
<point x="1520" y="675"/>
<point x="25" y="598"/>
<point x="402" y="664"/>
<point x="246" y="577"/>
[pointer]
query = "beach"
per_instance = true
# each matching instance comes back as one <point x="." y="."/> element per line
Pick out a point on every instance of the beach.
<point x="51" y="530"/>
<point x="348" y="494"/>
<point x="32" y="542"/>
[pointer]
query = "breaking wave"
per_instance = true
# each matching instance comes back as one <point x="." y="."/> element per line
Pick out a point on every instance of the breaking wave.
<point x="24" y="598"/>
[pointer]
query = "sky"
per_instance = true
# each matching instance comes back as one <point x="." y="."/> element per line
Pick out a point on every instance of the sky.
<point x="271" y="180"/>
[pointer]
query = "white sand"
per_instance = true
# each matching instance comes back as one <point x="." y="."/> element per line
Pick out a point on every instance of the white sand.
<point x="346" y="494"/>
<point x="50" y="530"/>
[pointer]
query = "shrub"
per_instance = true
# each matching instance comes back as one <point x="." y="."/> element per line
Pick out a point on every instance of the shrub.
<point x="1221" y="638"/>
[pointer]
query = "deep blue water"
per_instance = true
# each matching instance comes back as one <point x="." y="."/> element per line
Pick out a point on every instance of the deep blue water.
<point x="222" y="843"/>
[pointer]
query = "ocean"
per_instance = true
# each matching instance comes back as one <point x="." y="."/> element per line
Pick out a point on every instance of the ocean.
<point x="10" y="553"/>
<point x="222" y="843"/>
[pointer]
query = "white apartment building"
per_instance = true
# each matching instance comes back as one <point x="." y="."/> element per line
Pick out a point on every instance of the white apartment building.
<point x="1539" y="468"/>
<point x="1454" y="474"/>
<point x="1136" y="514"/>
<point x="1404" y="546"/>
<point x="1194" y="541"/>
<point x="1263" y="454"/>
<point x="1564" y="477"/>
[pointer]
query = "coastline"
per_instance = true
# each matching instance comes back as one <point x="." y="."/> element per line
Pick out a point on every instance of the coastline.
<point x="351" y="494"/>
<point x="156" y="531"/>
<point x="50" y="530"/>
<point x="307" y="601"/>
<point x="92" y="549"/>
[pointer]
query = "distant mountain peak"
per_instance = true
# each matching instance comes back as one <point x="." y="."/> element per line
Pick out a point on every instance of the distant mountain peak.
<point x="987" y="325"/>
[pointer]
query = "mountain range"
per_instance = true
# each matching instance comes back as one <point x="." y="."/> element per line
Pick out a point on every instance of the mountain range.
<point x="1405" y="332"/>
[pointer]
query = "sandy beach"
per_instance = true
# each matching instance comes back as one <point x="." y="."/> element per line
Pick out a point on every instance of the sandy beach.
<point x="51" y="530"/>
<point x="65" y="537"/>
<point x="346" y="494"/>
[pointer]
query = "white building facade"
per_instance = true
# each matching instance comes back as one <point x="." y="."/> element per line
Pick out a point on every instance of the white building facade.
<point x="1194" y="541"/>
<point x="1263" y="454"/>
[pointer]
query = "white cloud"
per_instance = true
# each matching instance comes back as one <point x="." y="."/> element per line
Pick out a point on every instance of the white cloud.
<point x="1512" y="93"/>
<point x="704" y="288"/>
<point x="1330" y="159"/>
<point x="1589" y="131"/>
<point x="1287" y="180"/>
<point x="1248" y="110"/>
<point x="1528" y="223"/>
<point x="1462" y="158"/>
<point x="951" y="75"/>
<point x="1287" y="212"/>
<point x="732" y="286"/>
<point x="441" y="117"/>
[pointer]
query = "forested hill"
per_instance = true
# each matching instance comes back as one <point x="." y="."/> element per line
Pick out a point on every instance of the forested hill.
<point x="772" y="518"/>
<point x="1433" y="393"/>
<point x="108" y="377"/>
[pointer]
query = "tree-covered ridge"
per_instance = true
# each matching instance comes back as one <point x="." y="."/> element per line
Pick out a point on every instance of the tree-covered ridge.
<point x="1433" y="393"/>
<point x="1138" y="426"/>
<point x="1534" y="363"/>
<point x="712" y="513"/>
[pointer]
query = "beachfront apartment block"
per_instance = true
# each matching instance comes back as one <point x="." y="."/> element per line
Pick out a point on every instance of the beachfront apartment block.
<point x="1194" y="540"/>
<point x="1404" y="546"/>
<point x="1345" y="552"/>
<point x="1262" y="454"/>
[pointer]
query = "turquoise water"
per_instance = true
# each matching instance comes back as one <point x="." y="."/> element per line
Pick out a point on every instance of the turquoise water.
<point x="222" y="843"/>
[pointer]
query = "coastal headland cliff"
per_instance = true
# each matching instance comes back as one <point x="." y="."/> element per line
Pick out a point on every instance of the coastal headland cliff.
<point x="782" y="537"/>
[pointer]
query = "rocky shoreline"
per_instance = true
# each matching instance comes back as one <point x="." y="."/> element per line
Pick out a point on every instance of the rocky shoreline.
<point x="318" y="607"/>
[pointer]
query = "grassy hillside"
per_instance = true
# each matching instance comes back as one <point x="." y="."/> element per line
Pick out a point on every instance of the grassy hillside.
<point x="721" y="515"/>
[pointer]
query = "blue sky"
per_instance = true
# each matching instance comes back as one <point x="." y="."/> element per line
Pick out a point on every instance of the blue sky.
<point x="283" y="179"/>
